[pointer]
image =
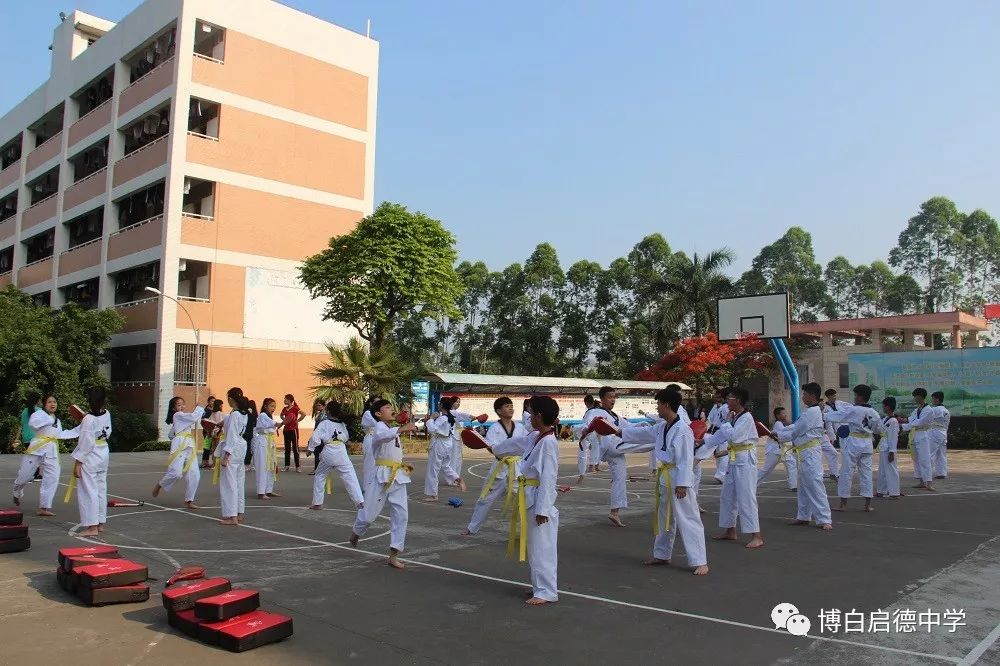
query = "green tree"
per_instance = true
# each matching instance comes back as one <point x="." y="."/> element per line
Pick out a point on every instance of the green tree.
<point x="356" y="372"/>
<point x="394" y="265"/>
<point x="926" y="247"/>
<point x="789" y="264"/>
<point x="48" y="350"/>
<point x="977" y="258"/>
<point x="904" y="296"/>
<point x="841" y="285"/>
<point x="578" y="303"/>
<point x="690" y="291"/>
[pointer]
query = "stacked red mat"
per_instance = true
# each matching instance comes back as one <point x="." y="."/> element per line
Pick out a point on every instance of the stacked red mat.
<point x="13" y="532"/>
<point x="99" y="576"/>
<point x="211" y="611"/>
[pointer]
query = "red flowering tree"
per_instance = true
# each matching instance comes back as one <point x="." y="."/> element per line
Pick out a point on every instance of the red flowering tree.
<point x="704" y="361"/>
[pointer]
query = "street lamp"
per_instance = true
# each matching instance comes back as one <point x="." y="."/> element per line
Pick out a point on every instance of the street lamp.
<point x="197" y="341"/>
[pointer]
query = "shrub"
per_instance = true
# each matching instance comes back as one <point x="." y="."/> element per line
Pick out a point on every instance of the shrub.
<point x="129" y="429"/>
<point x="152" y="445"/>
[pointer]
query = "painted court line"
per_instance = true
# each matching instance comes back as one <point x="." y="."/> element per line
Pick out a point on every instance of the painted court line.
<point x="981" y="649"/>
<point x="579" y="595"/>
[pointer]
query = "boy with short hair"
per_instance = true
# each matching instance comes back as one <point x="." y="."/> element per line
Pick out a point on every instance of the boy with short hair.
<point x="773" y="453"/>
<point x="939" y="436"/>
<point x="888" y="473"/>
<point x="718" y="415"/>
<point x="806" y="436"/>
<point x="858" y="424"/>
<point x="919" y="422"/>
<point x="616" y="462"/>
<point x="830" y="440"/>
<point x="504" y="472"/>
<point x="90" y="466"/>
<point x="590" y="446"/>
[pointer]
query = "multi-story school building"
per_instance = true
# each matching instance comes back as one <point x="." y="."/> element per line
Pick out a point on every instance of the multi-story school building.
<point x="202" y="148"/>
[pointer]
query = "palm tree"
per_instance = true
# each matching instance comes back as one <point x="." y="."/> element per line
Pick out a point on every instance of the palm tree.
<point x="355" y="373"/>
<point x="689" y="292"/>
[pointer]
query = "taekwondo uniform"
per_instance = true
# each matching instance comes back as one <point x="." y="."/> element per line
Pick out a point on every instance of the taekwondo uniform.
<point x="806" y="436"/>
<point x="92" y="453"/>
<point x="718" y="415"/>
<point x="537" y="494"/>
<point x="457" y="448"/>
<point x="590" y="446"/>
<point x="182" y="461"/>
<point x="864" y="422"/>
<point x="265" y="456"/>
<point x="773" y="454"/>
<point x="920" y="422"/>
<point x="387" y="486"/>
<point x="673" y="445"/>
<point x="232" y="478"/>
<point x="939" y="440"/>
<point x="333" y="436"/>
<point x="739" y="489"/>
<point x="440" y="455"/>
<point x="502" y="477"/>
<point x="609" y="453"/>
<point x="888" y="472"/>
<point x="829" y="437"/>
<point x="368" y="451"/>
<point x="42" y="451"/>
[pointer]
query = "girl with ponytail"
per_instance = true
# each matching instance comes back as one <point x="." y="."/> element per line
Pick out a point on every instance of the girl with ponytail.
<point x="229" y="459"/>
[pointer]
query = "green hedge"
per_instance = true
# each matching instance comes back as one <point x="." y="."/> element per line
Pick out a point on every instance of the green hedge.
<point x="152" y="445"/>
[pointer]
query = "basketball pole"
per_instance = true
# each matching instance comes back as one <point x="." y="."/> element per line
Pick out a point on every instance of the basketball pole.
<point x="788" y="370"/>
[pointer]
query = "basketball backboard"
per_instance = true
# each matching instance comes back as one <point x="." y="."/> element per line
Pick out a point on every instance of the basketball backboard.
<point x="765" y="315"/>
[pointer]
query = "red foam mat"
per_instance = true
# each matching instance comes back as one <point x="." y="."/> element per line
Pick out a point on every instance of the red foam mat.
<point x="184" y="597"/>
<point x="113" y="573"/>
<point x="99" y="551"/>
<point x="254" y="631"/>
<point x="121" y="594"/>
<point x="15" y="545"/>
<point x="226" y="605"/>
<point x="8" y="532"/>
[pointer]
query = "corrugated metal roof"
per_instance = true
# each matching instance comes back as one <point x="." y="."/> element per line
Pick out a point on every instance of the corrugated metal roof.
<point x="511" y="383"/>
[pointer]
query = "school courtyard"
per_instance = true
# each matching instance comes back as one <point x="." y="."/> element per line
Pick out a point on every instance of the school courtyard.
<point x="459" y="601"/>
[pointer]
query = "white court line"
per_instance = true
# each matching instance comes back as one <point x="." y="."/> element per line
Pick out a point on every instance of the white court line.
<point x="980" y="649"/>
<point x="891" y="527"/>
<point x="579" y="595"/>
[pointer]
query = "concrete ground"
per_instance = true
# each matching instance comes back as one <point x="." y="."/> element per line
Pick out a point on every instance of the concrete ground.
<point x="459" y="600"/>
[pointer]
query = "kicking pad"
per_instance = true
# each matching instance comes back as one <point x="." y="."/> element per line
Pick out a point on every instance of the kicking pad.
<point x="114" y="573"/>
<point x="260" y="628"/>
<point x="762" y="430"/>
<point x="8" y="532"/>
<point x="699" y="428"/>
<point x="11" y="517"/>
<point x="120" y="594"/>
<point x="177" y="599"/>
<point x="65" y="580"/>
<point x="226" y="605"/>
<point x="74" y="564"/>
<point x="602" y="427"/>
<point x="184" y="621"/>
<point x="473" y="439"/>
<point x="99" y="551"/>
<point x="15" y="545"/>
<point x="77" y="413"/>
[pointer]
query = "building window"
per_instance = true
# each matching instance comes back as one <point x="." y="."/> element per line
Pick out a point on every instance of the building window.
<point x="90" y="161"/>
<point x="40" y="247"/>
<point x="140" y="206"/>
<point x="42" y="300"/>
<point x="10" y="153"/>
<point x="133" y="363"/>
<point x="85" y="228"/>
<point x="150" y="56"/>
<point x="199" y="198"/>
<point x="190" y="363"/>
<point x="48" y="125"/>
<point x="44" y="186"/>
<point x="6" y="260"/>
<point x="210" y="41"/>
<point x="146" y="130"/>
<point x="203" y="118"/>
<point x="84" y="294"/>
<point x="96" y="93"/>
<point x="193" y="280"/>
<point x="8" y="206"/>
<point x="845" y="380"/>
<point x="130" y="285"/>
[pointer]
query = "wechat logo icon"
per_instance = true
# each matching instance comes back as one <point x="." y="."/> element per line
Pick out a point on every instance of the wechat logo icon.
<point x="786" y="616"/>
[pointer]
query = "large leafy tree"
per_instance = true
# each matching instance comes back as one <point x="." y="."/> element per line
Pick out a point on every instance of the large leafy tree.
<point x="926" y="247"/>
<point x="356" y="372"/>
<point x="789" y="264"/>
<point x="48" y="350"/>
<point x="690" y="290"/>
<point x="394" y="265"/>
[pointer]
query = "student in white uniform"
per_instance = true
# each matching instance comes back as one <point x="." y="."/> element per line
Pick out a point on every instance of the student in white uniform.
<point x="774" y="453"/>
<point x="888" y="472"/>
<point x="367" y="450"/>
<point x="457" y="447"/>
<point x="43" y="452"/>
<point x="858" y="424"/>
<point x="502" y="477"/>
<point x="389" y="484"/>
<point x="526" y="416"/>
<point x="920" y="422"/>
<point x="443" y="430"/>
<point x="718" y="415"/>
<point x="609" y="443"/>
<point x="672" y="442"/>
<point x="806" y="436"/>
<point x="182" y="461"/>
<point x="537" y="514"/>
<point x="739" y="491"/>
<point x="590" y="446"/>
<point x="91" y="465"/>
<point x="265" y="450"/>
<point x="229" y="455"/>
<point x="939" y="436"/>
<point x="333" y="436"/>
<point x="833" y="459"/>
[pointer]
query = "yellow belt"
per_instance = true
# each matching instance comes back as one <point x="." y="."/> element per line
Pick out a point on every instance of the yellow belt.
<point x="394" y="466"/>
<point x="40" y="444"/>
<point x="72" y="477"/>
<point x="510" y="462"/>
<point x="271" y="457"/>
<point x="663" y="470"/>
<point x="329" y="478"/>
<point x="861" y="435"/>
<point x="802" y="447"/>
<point x="739" y="448"/>
<point x="519" y="519"/>
<point x="181" y="449"/>
<point x="217" y="467"/>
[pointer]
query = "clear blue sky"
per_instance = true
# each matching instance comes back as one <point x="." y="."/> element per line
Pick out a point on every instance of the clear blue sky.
<point x="591" y="124"/>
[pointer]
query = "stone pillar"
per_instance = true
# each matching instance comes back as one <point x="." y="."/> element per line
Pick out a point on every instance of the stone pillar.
<point x="907" y="338"/>
<point x="956" y="337"/>
<point x="876" y="336"/>
<point x="973" y="340"/>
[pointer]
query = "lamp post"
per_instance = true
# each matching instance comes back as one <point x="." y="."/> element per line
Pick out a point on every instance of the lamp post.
<point x="197" y="341"/>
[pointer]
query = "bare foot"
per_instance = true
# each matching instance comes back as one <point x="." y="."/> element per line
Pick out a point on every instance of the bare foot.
<point x="240" y="517"/>
<point x="156" y="490"/>
<point x="263" y="497"/>
<point x="353" y="540"/>
<point x="797" y="522"/>
<point x="316" y="507"/>
<point x="728" y="535"/>
<point x="655" y="562"/>
<point x="615" y="520"/>
<point x="701" y="571"/>
<point x="298" y="470"/>
<point x="466" y="532"/>
<point x="428" y="498"/>
<point x="579" y="481"/>
<point x="100" y="528"/>
<point x="535" y="601"/>
<point x="273" y="495"/>
<point x="89" y="532"/>
<point x="191" y="505"/>
<point x="869" y="509"/>
<point x="826" y="527"/>
<point x="395" y="564"/>
<point x="461" y="484"/>
<point x="17" y="501"/>
<point x="755" y="543"/>
<point x="920" y="486"/>
<point x="229" y="521"/>
<point x="45" y="513"/>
